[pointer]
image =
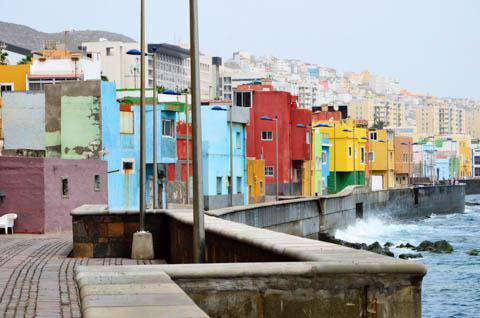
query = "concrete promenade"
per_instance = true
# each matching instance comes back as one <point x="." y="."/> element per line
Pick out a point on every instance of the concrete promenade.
<point x="37" y="276"/>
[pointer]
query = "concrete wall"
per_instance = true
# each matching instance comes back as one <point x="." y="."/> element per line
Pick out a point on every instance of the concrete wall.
<point x="81" y="184"/>
<point x="472" y="186"/>
<point x="33" y="190"/>
<point x="279" y="276"/>
<point x="22" y="182"/>
<point x="23" y="116"/>
<point x="311" y="216"/>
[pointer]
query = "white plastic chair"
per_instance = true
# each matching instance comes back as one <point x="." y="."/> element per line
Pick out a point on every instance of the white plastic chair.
<point x="7" y="221"/>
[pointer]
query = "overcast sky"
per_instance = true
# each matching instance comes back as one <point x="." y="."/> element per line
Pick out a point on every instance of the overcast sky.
<point x="431" y="46"/>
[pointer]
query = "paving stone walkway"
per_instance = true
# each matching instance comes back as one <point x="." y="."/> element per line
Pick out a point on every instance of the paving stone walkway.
<point x="36" y="275"/>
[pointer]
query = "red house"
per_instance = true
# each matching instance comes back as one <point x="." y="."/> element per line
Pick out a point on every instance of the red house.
<point x="294" y="141"/>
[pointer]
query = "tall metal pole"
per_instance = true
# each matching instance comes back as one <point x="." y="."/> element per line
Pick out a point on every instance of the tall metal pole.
<point x="354" y="155"/>
<point x="142" y="117"/>
<point x="335" y="158"/>
<point x="155" y="168"/>
<point x="276" y="158"/>
<point x="198" y="206"/>
<point x="231" y="157"/>
<point x="187" y="151"/>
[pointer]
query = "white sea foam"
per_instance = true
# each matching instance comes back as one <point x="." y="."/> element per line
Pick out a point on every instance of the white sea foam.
<point x="376" y="229"/>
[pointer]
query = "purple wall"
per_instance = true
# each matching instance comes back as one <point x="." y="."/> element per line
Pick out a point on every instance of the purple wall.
<point x="33" y="188"/>
<point x="22" y="181"/>
<point x="81" y="176"/>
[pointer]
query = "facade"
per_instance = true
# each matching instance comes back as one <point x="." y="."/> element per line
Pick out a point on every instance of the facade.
<point x="43" y="191"/>
<point x="256" y="180"/>
<point x="447" y="160"/>
<point x="403" y="160"/>
<point x="216" y="158"/>
<point x="173" y="69"/>
<point x="475" y="160"/>
<point x="60" y="66"/>
<point x="438" y="117"/>
<point x="424" y="161"/>
<point x="294" y="142"/>
<point x="321" y="162"/>
<point x="348" y="154"/>
<point x="12" y="78"/>
<point x="381" y="159"/>
<point x="116" y="65"/>
<point x="465" y="158"/>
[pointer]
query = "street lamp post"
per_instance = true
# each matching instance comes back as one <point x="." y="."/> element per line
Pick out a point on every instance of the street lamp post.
<point x="230" y="185"/>
<point x="198" y="204"/>
<point x="142" y="244"/>
<point x="311" y="154"/>
<point x="276" y="151"/>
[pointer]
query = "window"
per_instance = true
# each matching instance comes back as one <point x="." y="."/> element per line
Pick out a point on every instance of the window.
<point x="477" y="172"/>
<point x="372" y="156"/>
<point x="373" y="135"/>
<point x="219" y="185"/>
<point x="6" y="88"/>
<point x="267" y="135"/>
<point x="109" y="51"/>
<point x="239" y="185"/>
<point x="127" y="165"/>
<point x="349" y="151"/>
<point x="243" y="99"/>
<point x="65" y="190"/>
<point x="362" y="155"/>
<point x="96" y="183"/>
<point x="269" y="172"/>
<point x="261" y="186"/>
<point x="238" y="140"/>
<point x="126" y="122"/>
<point x="318" y="163"/>
<point x="324" y="157"/>
<point x="307" y="138"/>
<point x="167" y="127"/>
<point x="477" y="160"/>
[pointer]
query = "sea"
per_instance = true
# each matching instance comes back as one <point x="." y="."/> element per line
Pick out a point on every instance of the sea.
<point x="451" y="287"/>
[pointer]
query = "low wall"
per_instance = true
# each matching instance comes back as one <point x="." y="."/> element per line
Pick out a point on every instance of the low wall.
<point x="309" y="217"/>
<point x="472" y="186"/>
<point x="281" y="275"/>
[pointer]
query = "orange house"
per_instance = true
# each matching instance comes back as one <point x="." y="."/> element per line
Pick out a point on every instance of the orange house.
<point x="403" y="160"/>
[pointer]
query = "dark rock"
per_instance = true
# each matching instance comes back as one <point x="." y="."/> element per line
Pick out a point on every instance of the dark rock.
<point x="473" y="252"/>
<point x="437" y="247"/>
<point x="443" y="247"/>
<point x="408" y="245"/>
<point x="401" y="246"/>
<point x="408" y="256"/>
<point x="425" y="246"/>
<point x="377" y="248"/>
<point x="388" y="244"/>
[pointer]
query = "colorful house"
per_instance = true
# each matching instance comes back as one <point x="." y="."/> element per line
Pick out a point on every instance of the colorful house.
<point x="321" y="162"/>
<point x="381" y="159"/>
<point x="255" y="180"/>
<point x="447" y="160"/>
<point x="12" y="78"/>
<point x="465" y="158"/>
<point x="268" y="108"/>
<point x="216" y="157"/>
<point x="348" y="154"/>
<point x="476" y="160"/>
<point x="403" y="160"/>
<point x="424" y="160"/>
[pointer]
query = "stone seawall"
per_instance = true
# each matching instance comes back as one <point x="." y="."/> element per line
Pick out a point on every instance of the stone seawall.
<point x="472" y="186"/>
<point x="258" y="273"/>
<point x="310" y="217"/>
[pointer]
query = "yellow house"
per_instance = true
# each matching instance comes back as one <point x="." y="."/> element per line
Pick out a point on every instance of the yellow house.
<point x="381" y="159"/>
<point x="348" y="153"/>
<point x="256" y="180"/>
<point x="465" y="162"/>
<point x="14" y="77"/>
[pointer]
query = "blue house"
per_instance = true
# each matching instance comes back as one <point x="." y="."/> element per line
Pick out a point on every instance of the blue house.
<point x="123" y="153"/>
<point x="216" y="155"/>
